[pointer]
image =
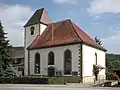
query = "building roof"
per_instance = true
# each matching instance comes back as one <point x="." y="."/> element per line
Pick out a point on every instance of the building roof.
<point x="40" y="15"/>
<point x="62" y="33"/>
<point x="17" y="52"/>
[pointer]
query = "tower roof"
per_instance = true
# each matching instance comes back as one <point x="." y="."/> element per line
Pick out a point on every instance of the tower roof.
<point x="40" y="15"/>
<point x="62" y="33"/>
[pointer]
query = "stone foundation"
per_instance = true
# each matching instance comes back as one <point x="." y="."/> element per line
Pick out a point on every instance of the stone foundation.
<point x="88" y="79"/>
<point x="91" y="79"/>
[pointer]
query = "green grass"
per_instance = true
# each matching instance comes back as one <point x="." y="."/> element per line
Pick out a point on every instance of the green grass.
<point x="64" y="79"/>
<point x="58" y="79"/>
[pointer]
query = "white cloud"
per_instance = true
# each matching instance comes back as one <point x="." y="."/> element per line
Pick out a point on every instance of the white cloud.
<point x="104" y="6"/>
<point x="65" y="1"/>
<point x="112" y="44"/>
<point x="13" y="17"/>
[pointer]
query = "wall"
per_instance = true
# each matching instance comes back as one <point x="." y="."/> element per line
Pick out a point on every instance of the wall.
<point x="89" y="60"/>
<point x="59" y="58"/>
<point x="28" y="38"/>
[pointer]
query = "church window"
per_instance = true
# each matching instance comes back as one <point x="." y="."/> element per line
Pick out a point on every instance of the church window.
<point x="37" y="63"/>
<point x="51" y="58"/>
<point x="67" y="61"/>
<point x="96" y="58"/>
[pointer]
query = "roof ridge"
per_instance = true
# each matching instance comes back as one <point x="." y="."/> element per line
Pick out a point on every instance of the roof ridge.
<point x="40" y="9"/>
<point x="74" y="29"/>
<point x="60" y="21"/>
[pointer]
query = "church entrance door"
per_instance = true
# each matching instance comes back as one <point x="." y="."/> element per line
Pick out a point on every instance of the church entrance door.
<point x="51" y="71"/>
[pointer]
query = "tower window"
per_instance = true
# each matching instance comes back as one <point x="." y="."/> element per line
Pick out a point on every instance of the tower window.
<point x="32" y="30"/>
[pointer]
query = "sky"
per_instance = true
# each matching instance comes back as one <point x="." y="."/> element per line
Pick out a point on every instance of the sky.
<point x="99" y="18"/>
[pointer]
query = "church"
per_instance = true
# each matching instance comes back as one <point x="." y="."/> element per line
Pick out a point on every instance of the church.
<point x="60" y="49"/>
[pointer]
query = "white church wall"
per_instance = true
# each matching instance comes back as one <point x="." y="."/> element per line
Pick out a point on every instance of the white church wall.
<point x="28" y="39"/>
<point x="26" y="63"/>
<point x="89" y="60"/>
<point x="59" y="58"/>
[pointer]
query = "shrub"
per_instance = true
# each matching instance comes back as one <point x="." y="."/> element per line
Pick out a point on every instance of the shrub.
<point x="37" y="75"/>
<point x="37" y="79"/>
<point x="23" y="80"/>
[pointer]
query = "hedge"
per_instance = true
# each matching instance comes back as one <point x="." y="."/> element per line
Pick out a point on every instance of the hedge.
<point x="110" y="77"/>
<point x="23" y="80"/>
<point x="39" y="80"/>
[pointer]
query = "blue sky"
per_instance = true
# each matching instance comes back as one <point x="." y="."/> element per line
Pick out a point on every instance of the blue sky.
<point x="96" y="17"/>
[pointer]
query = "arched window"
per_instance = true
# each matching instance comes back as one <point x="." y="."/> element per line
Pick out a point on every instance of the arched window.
<point x="32" y="30"/>
<point x="51" y="58"/>
<point x="37" y="63"/>
<point x="67" y="61"/>
<point x="96" y="58"/>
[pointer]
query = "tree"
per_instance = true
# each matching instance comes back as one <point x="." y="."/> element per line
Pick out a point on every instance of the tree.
<point x="98" y="40"/>
<point x="5" y="61"/>
<point x="112" y="64"/>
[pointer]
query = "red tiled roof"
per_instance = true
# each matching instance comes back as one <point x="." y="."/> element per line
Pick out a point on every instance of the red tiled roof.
<point x="60" y="33"/>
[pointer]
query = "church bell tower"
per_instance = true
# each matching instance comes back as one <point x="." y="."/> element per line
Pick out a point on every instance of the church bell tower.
<point x="34" y="27"/>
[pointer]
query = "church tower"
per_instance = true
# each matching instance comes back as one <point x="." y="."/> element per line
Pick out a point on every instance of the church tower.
<point x="35" y="26"/>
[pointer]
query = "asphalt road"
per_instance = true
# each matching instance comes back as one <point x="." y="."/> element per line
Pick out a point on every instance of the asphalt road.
<point x="51" y="87"/>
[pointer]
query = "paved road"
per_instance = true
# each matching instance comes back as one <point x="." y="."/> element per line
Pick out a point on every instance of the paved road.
<point x="51" y="87"/>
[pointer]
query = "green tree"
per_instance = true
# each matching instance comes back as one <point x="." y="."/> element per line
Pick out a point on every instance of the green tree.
<point x="5" y="61"/>
<point x="112" y="63"/>
<point x="98" y="40"/>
